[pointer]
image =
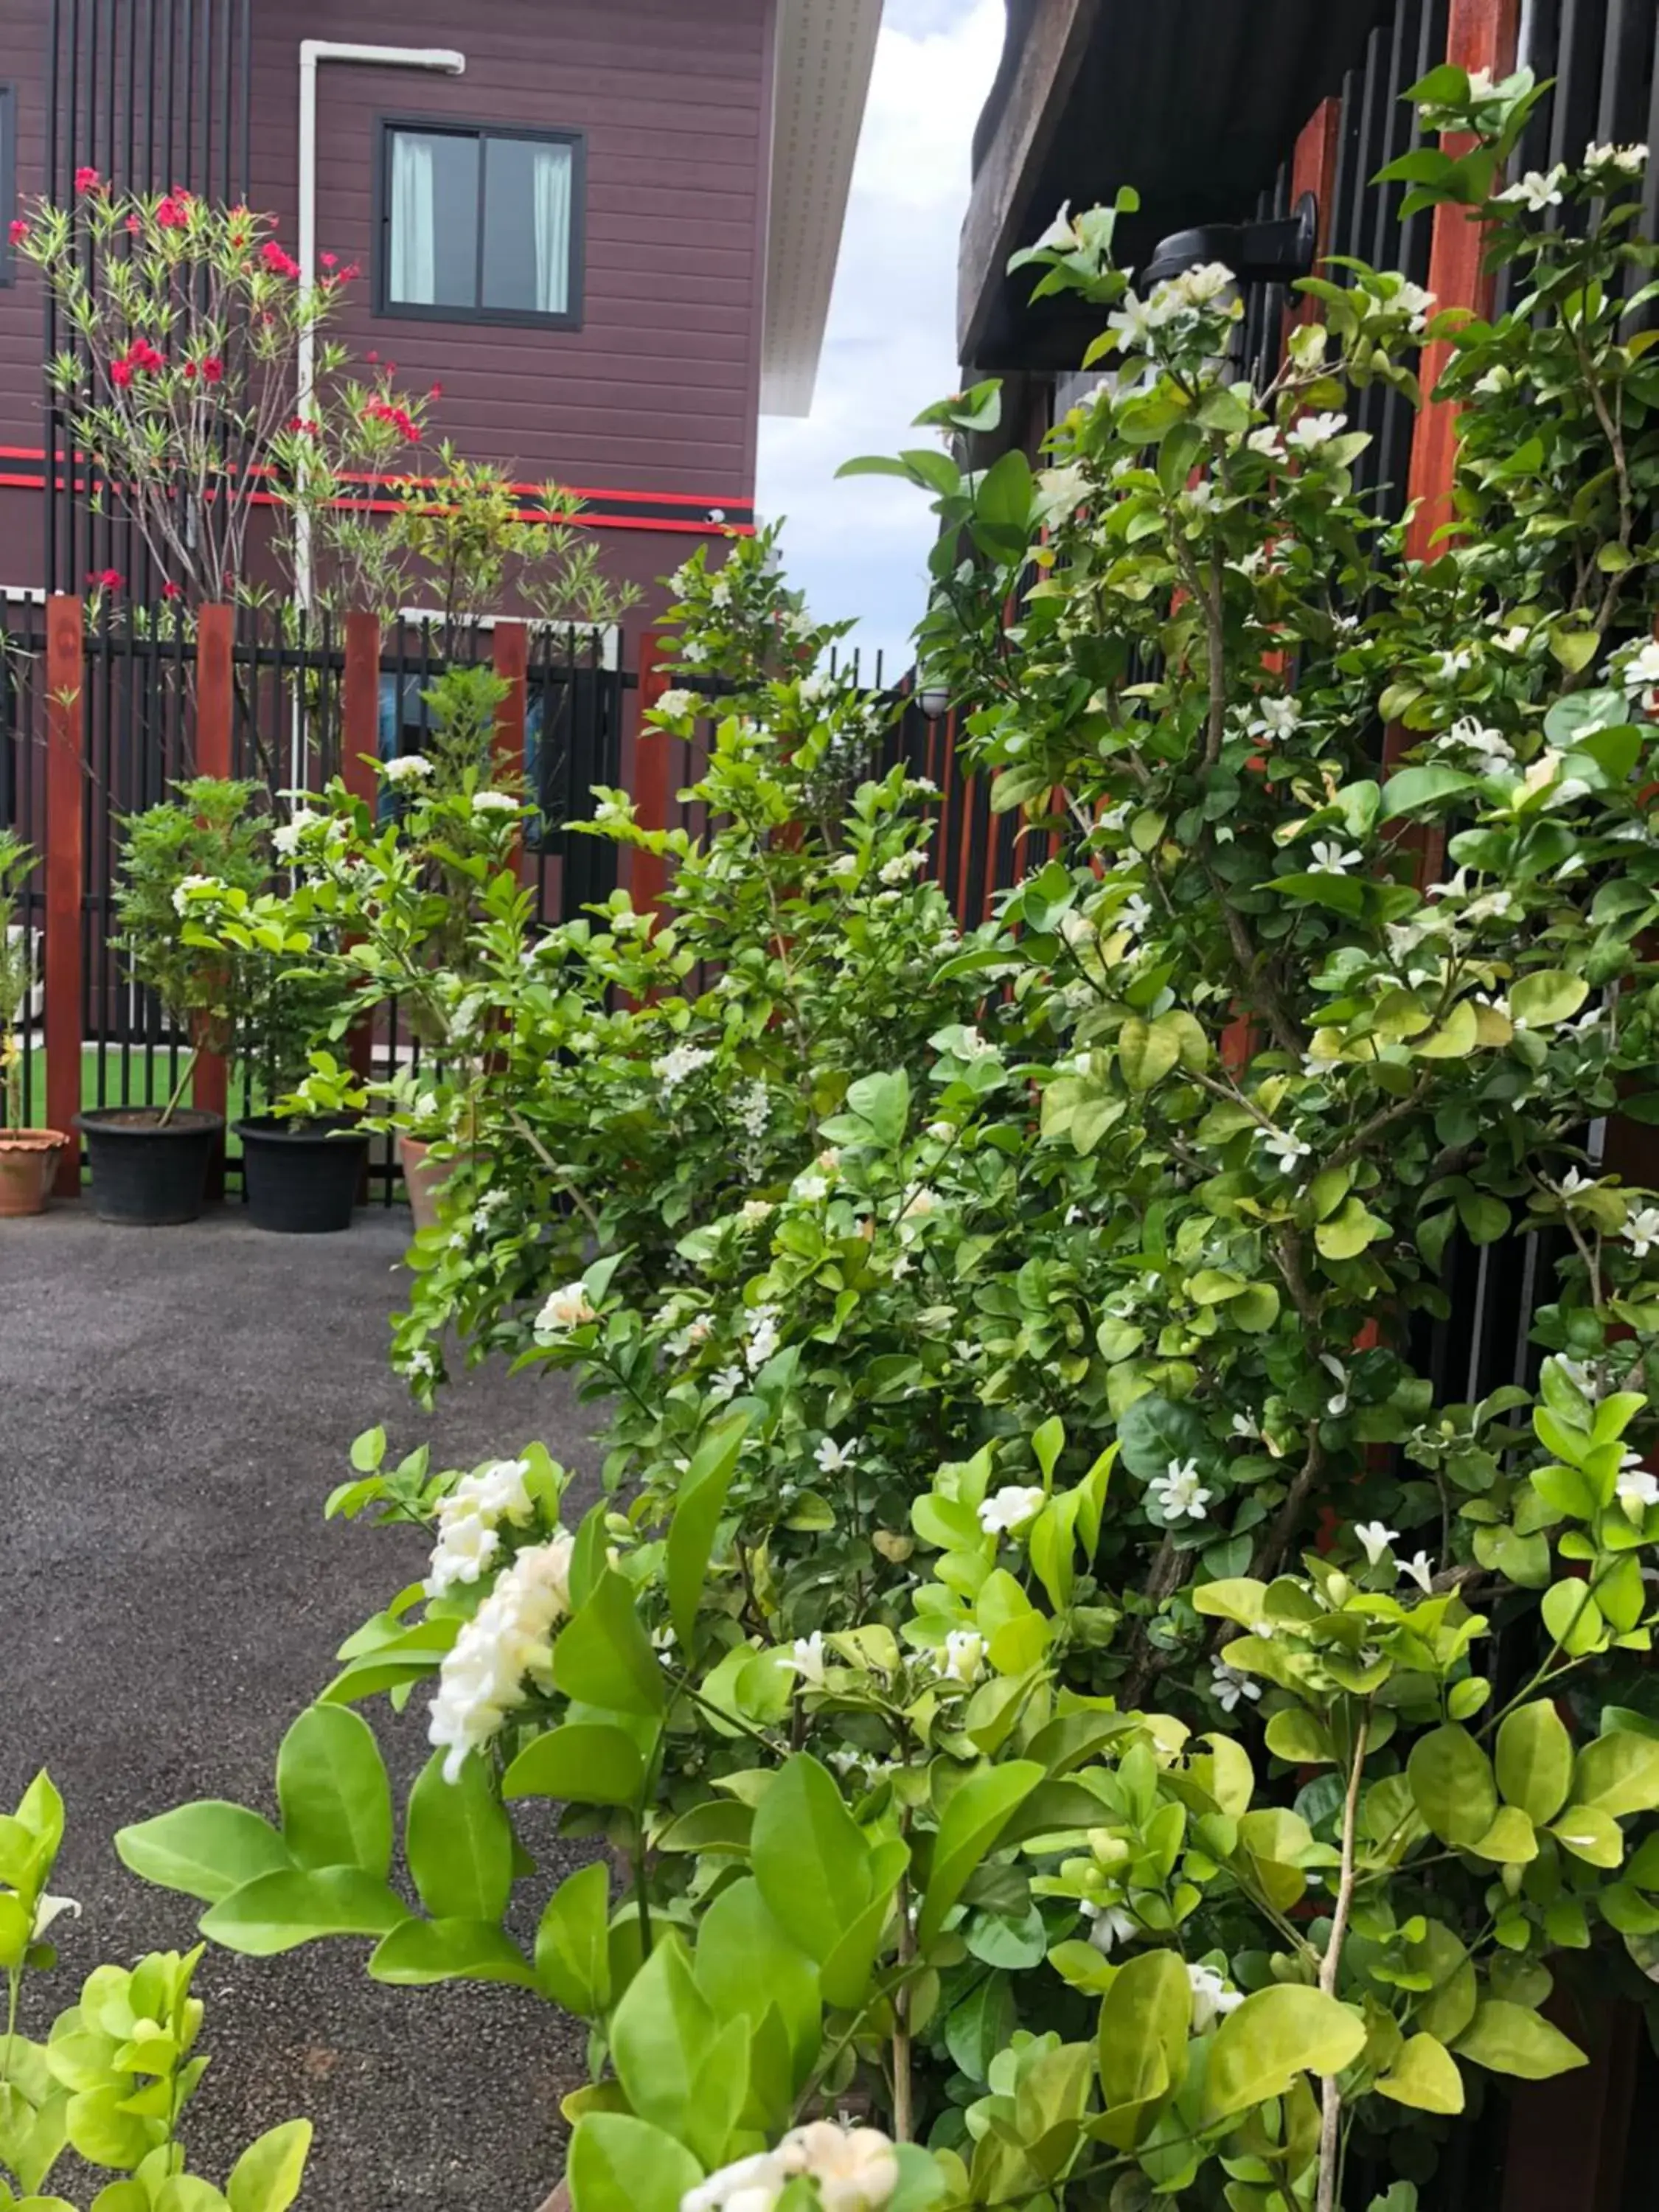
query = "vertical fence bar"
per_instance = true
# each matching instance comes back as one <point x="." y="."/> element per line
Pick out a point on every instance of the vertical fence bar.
<point x="360" y="739"/>
<point x="511" y="660"/>
<point x="65" y="879"/>
<point x="215" y="706"/>
<point x="647" y="872"/>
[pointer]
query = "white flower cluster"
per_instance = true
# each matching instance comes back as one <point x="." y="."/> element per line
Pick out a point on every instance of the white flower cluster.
<point x="565" y="1309"/>
<point x="482" y="1678"/>
<point x="193" y="891"/>
<point x="286" y="837"/>
<point x="1310" y="433"/>
<point x="677" y="1066"/>
<point x="754" y="1110"/>
<point x="674" y="705"/>
<point x="615" y="812"/>
<point x="854" y="2170"/>
<point x="761" y="1327"/>
<point x="903" y="866"/>
<point x="1625" y="161"/>
<point x="469" y="1531"/>
<point x="1487" y="750"/>
<point x="409" y="768"/>
<point x="493" y="802"/>
<point x="1537" y="190"/>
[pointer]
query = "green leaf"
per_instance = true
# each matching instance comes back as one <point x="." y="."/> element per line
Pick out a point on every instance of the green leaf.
<point x="1573" y="1618"/>
<point x="1619" y="1773"/>
<point x="746" y="1966"/>
<point x="978" y="1811"/>
<point x="583" y="1763"/>
<point x="810" y="1858"/>
<point x="103" y="2133"/>
<point x="1141" y="2044"/>
<point x="1590" y="1833"/>
<point x="1155" y="1431"/>
<point x="422" y="1952"/>
<point x="332" y="1788"/>
<point x="1422" y="787"/>
<point x="1279" y="2032"/>
<point x="1425" y="2076"/>
<point x="883" y="1104"/>
<point x="1452" y="1785"/>
<point x="205" y="1850"/>
<point x="1297" y="1736"/>
<point x="573" y="1948"/>
<point x="697" y="1511"/>
<point x="188" y="2192"/>
<point x="620" y="2164"/>
<point x="1146" y="1053"/>
<point x="460" y="1842"/>
<point x="1547" y="996"/>
<point x="267" y="2176"/>
<point x="1510" y="1841"/>
<point x="604" y="1657"/>
<point x="1534" y="1760"/>
<point x="279" y="1911"/>
<point x="1512" y="2038"/>
<point x="658" y="2033"/>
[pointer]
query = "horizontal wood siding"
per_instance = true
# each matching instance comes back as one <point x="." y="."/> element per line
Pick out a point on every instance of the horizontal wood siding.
<point x="659" y="390"/>
<point x="23" y="41"/>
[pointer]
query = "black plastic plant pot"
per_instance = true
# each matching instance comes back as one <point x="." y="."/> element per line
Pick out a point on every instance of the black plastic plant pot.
<point x="303" y="1177"/>
<point x="148" y="1173"/>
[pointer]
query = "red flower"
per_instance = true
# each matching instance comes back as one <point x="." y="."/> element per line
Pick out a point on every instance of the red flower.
<point x="278" y="257"/>
<point x="351" y="273"/>
<point x="173" y="213"/>
<point x="328" y="260"/>
<point x="436" y="393"/>
<point x="106" y="580"/>
<point x="190" y="371"/>
<point x="20" y="230"/>
<point x="120" y="372"/>
<point x="171" y="591"/>
<point x="303" y="424"/>
<point x="135" y="225"/>
<point x="371" y="356"/>
<point x="88" y="180"/>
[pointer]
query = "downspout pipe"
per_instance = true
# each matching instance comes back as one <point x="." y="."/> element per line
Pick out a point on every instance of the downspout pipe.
<point x="446" y="61"/>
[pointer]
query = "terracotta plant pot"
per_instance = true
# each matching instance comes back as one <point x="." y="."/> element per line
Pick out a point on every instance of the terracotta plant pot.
<point x="559" y="2201"/>
<point x="28" y="1161"/>
<point x="424" y="1177"/>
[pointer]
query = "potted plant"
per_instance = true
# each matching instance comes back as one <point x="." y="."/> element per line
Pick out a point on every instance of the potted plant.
<point x="182" y="861"/>
<point x="303" y="1170"/>
<point x="28" y="1157"/>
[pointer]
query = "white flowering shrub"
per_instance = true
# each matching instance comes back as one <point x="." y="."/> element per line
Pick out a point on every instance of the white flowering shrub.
<point x="1078" y="1716"/>
<point x="113" y="2077"/>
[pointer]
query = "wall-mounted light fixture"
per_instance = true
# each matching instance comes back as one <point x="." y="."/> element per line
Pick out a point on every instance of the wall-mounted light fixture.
<point x="935" y="702"/>
<point x="1276" y="251"/>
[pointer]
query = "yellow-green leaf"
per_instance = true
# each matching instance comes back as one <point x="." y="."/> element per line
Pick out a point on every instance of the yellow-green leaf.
<point x="1425" y="2076"/>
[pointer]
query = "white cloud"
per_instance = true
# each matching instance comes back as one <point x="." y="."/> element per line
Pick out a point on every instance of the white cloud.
<point x="859" y="547"/>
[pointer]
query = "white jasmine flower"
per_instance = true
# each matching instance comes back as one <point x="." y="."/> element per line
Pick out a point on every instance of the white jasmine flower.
<point x="1535" y="190"/>
<point x="1574" y="1182"/>
<point x="919" y="1204"/>
<point x="1229" y="1686"/>
<point x="754" y="1211"/>
<point x="1481" y="85"/>
<point x="1313" y="432"/>
<point x="1494" y="752"/>
<point x="191" y="891"/>
<point x="1009" y="1509"/>
<point x="1640" y="673"/>
<point x="902" y="866"/>
<point x="810" y="1188"/>
<point x="807" y="1657"/>
<point x="761" y="1326"/>
<point x="1242" y="1425"/>
<point x="1338" y="1375"/>
<point x="615" y="811"/>
<point x="1628" y="160"/>
<point x="674" y="705"/>
<point x="695" y="1333"/>
<point x="1637" y="1490"/>
<point x="482" y="1678"/>
<point x="726" y="1384"/>
<point x="1133" y="323"/>
<point x="286" y="836"/>
<point x="1330" y="860"/>
<point x="493" y="802"/>
<point x="974" y="1045"/>
<point x="408" y="767"/>
<point x="1060" y="236"/>
<point x="676" y="1066"/>
<point x="467" y="1545"/>
<point x="1266" y="439"/>
<point x="833" y="1458"/>
<point x="565" y="1309"/>
<point x="1275" y="717"/>
<point x="1368" y="1655"/>
<point x="1375" y="1539"/>
<point x="1448" y="666"/>
<point x="1284" y="1149"/>
<point x="1134" y="915"/>
<point x="1415" y="302"/>
<point x="1212" y="1999"/>
<point x="964" y="1655"/>
<point x="1643" y="1229"/>
<point x="941" y="1132"/>
<point x="1421" y="1571"/>
<point x="50" y="1909"/>
<point x="1109" y="1924"/>
<point x="1179" y="1492"/>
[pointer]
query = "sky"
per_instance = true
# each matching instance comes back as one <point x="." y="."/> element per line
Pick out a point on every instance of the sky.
<point x="860" y="548"/>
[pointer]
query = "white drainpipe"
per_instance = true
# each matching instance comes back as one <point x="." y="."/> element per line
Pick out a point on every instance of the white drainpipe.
<point x="312" y="51"/>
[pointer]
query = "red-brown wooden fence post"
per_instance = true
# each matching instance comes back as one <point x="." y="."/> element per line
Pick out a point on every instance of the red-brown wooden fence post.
<point x="65" y="862"/>
<point x="512" y="663"/>
<point x="360" y="744"/>
<point x="215" y="644"/>
<point x="653" y="784"/>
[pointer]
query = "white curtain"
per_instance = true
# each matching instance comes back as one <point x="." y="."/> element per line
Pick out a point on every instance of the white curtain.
<point x="414" y="221"/>
<point x="552" y="208"/>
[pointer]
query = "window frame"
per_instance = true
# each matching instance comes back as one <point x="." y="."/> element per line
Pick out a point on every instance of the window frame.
<point x="388" y="309"/>
<point x="8" y="177"/>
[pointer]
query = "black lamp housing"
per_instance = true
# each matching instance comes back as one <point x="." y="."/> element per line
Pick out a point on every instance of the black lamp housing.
<point x="1276" y="251"/>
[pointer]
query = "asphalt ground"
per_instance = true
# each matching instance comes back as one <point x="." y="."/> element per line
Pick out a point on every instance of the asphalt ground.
<point x="175" y="1406"/>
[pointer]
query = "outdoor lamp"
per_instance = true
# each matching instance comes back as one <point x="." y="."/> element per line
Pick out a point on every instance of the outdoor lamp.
<point x="934" y="700"/>
<point x="1275" y="252"/>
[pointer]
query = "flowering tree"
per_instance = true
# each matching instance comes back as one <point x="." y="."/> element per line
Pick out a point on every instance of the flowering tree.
<point x="1058" y="1677"/>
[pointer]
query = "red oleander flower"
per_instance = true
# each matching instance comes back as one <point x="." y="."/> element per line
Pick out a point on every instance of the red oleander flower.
<point x="436" y="393"/>
<point x="171" y="591"/>
<point x="20" y="230"/>
<point x="135" y="226"/>
<point x="88" y="180"/>
<point x="190" y="372"/>
<point x="120" y="373"/>
<point x="371" y="357"/>
<point x="213" y="370"/>
<point x="173" y="213"/>
<point x="106" y="580"/>
<point x="303" y="424"/>
<point x="328" y="260"/>
<point x="351" y="273"/>
<point x="278" y="258"/>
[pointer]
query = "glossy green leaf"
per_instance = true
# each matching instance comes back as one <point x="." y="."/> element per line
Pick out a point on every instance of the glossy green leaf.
<point x="1141" y="2041"/>
<point x="1425" y="2076"/>
<point x="746" y="1964"/>
<point x="267" y="2177"/>
<point x="205" y="1850"/>
<point x="332" y="1788"/>
<point x="458" y="1841"/>
<point x="603" y="1657"/>
<point x="573" y="1948"/>
<point x="1512" y="2038"/>
<point x="1452" y="1785"/>
<point x="698" y="1509"/>
<point x="1619" y="1773"/>
<point x="1535" y="1759"/>
<point x="978" y="1811"/>
<point x="279" y="1911"/>
<point x="583" y="1763"/>
<point x="1274" y="2035"/>
<point x="420" y="1952"/>
<point x="659" y="2032"/>
<point x="810" y="1858"/>
<point x="621" y="2164"/>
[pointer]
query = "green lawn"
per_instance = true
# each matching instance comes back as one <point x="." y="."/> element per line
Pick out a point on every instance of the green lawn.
<point x="114" y="1076"/>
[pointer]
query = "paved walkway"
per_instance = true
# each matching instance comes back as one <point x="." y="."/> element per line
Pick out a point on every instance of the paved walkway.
<point x="174" y="1406"/>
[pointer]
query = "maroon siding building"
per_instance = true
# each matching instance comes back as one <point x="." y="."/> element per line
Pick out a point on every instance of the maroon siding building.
<point x="607" y="227"/>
